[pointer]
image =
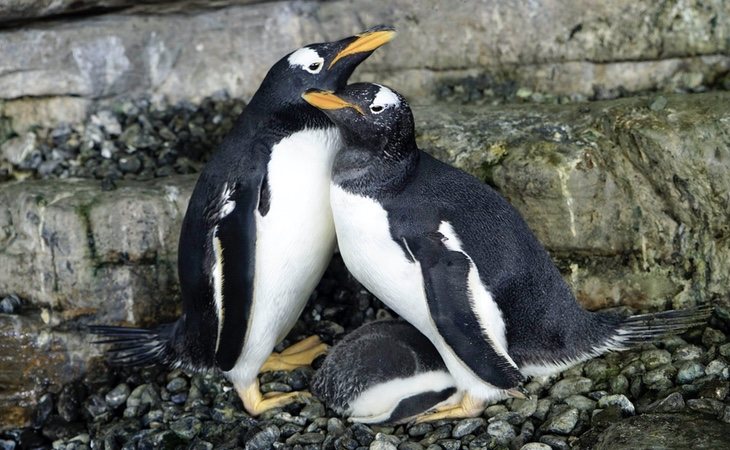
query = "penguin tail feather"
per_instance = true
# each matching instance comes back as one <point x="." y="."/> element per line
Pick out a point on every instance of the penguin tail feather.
<point x="645" y="328"/>
<point x="137" y="346"/>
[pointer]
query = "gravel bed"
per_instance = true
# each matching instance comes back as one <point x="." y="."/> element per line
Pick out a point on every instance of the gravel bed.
<point x="154" y="408"/>
<point x="128" y="140"/>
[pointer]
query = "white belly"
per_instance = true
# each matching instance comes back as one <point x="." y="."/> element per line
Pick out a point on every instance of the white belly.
<point x="379" y="263"/>
<point x="294" y="242"/>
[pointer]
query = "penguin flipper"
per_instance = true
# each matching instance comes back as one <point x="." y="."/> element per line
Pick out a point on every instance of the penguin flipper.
<point x="234" y="239"/>
<point x="445" y="278"/>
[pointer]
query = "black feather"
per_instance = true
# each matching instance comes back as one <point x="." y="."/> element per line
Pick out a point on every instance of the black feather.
<point x="137" y="346"/>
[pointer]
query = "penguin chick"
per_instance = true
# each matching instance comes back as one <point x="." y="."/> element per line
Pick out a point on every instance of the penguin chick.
<point x="398" y="212"/>
<point x="258" y="232"/>
<point x="384" y="372"/>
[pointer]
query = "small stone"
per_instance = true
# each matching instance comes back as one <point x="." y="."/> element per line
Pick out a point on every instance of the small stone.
<point x="97" y="407"/>
<point x="658" y="103"/>
<point x="674" y="402"/>
<point x="187" y="427"/>
<point x="410" y="445"/>
<point x="362" y="433"/>
<point x="177" y="384"/>
<point x="7" y="444"/>
<point x="712" y="337"/>
<point x="523" y="93"/>
<point x="275" y="386"/>
<point x="18" y="149"/>
<point x="9" y="304"/>
<point x="596" y="369"/>
<point x="420" y="429"/>
<point x="717" y="369"/>
<point x="706" y="406"/>
<point x="687" y="353"/>
<point x="619" y="400"/>
<point x="715" y="389"/>
<point x="689" y="371"/>
<point x="543" y="406"/>
<point x="570" y="386"/>
<point x="200" y="445"/>
<point x="130" y="164"/>
<point x="107" y="121"/>
<point x="70" y="401"/>
<point x="619" y="384"/>
<point x="493" y="410"/>
<point x="525" y="407"/>
<point x="724" y="350"/>
<point x="633" y="368"/>
<point x="313" y="411"/>
<point x="655" y="358"/>
<point x="379" y="444"/>
<point x="535" y="446"/>
<point x="117" y="396"/>
<point x="660" y="378"/>
<point x="335" y="427"/>
<point x="305" y="439"/>
<point x="501" y="431"/>
<point x="563" y="423"/>
<point x="43" y="410"/>
<point x="555" y="442"/>
<point x="581" y="403"/>
<point x="439" y="433"/>
<point x="467" y="426"/>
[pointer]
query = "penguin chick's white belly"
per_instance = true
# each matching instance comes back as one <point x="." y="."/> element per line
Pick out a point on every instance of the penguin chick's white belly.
<point x="294" y="242"/>
<point x="379" y="263"/>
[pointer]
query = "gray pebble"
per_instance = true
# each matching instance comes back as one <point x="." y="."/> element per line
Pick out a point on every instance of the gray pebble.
<point x="200" y="445"/>
<point x="275" y="387"/>
<point x="706" y="406"/>
<point x="9" y="304"/>
<point x="382" y="445"/>
<point x="563" y="423"/>
<point x="410" y="445"/>
<point x="596" y="369"/>
<point x="442" y="432"/>
<point x="177" y="384"/>
<point x="633" y="368"/>
<point x="689" y="371"/>
<point x="305" y="438"/>
<point x="535" y="446"/>
<point x="581" y="403"/>
<point x="493" y="410"/>
<point x="619" y="384"/>
<point x="655" y="358"/>
<point x="501" y="431"/>
<point x="313" y="410"/>
<point x="420" y="429"/>
<point x="362" y="433"/>
<point x="187" y="427"/>
<point x="674" y="402"/>
<point x="543" y="406"/>
<point x="570" y="386"/>
<point x="450" y="444"/>
<point x="555" y="442"/>
<point x="712" y="337"/>
<point x="335" y="427"/>
<point x="687" y="353"/>
<point x="619" y="400"/>
<point x="717" y="369"/>
<point x="467" y="426"/>
<point x="525" y="407"/>
<point x="661" y="377"/>
<point x="264" y="439"/>
<point x="724" y="350"/>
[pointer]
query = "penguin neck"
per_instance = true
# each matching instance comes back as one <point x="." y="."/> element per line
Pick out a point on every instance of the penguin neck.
<point x="268" y="113"/>
<point x="375" y="173"/>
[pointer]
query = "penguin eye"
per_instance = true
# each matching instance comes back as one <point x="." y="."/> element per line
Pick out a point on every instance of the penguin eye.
<point x="314" y="67"/>
<point x="376" y="109"/>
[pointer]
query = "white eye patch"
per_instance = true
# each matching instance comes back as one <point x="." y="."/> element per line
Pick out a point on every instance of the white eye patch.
<point x="385" y="98"/>
<point x="307" y="59"/>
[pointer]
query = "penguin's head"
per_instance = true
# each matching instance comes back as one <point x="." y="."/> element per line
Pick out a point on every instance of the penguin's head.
<point x="325" y="66"/>
<point x="368" y="114"/>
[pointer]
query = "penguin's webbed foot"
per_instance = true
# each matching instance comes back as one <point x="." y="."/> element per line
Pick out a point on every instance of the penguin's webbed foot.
<point x="467" y="407"/>
<point x="256" y="403"/>
<point x="300" y="354"/>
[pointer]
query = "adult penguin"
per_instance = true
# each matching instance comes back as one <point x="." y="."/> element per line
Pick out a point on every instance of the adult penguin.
<point x="455" y="259"/>
<point x="258" y="231"/>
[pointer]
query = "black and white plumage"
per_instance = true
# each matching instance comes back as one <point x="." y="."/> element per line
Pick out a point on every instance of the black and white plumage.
<point x="258" y="231"/>
<point x="419" y="234"/>
<point x="384" y="372"/>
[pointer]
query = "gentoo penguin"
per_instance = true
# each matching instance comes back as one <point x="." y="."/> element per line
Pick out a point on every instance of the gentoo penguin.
<point x="384" y="372"/>
<point x="258" y="231"/>
<point x="411" y="228"/>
